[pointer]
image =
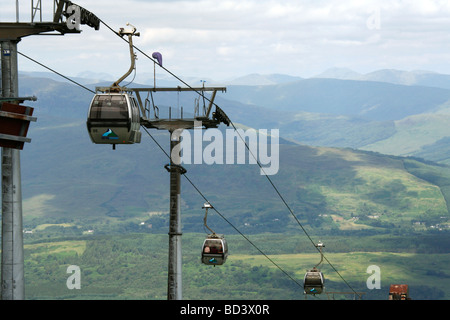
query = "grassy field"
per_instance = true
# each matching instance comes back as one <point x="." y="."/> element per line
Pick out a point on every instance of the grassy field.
<point x="396" y="268"/>
<point x="135" y="267"/>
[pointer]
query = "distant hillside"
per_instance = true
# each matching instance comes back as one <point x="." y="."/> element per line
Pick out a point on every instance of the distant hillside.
<point x="415" y="136"/>
<point x="438" y="151"/>
<point x="410" y="78"/>
<point x="400" y="121"/>
<point x="370" y="100"/>
<point x="91" y="206"/>
<point x="377" y="116"/>
<point x="67" y="179"/>
<point x="260" y="79"/>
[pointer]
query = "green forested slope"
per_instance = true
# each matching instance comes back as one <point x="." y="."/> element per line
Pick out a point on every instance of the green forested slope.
<point x="135" y="267"/>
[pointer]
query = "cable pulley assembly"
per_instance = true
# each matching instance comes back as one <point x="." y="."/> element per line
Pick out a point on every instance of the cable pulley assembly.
<point x="169" y="167"/>
<point x="221" y="116"/>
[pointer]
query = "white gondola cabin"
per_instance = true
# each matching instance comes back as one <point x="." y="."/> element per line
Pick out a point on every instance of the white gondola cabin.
<point x="313" y="282"/>
<point x="113" y="118"/>
<point x="215" y="250"/>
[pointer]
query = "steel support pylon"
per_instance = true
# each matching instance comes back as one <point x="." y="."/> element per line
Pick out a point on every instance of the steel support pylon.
<point x="174" y="285"/>
<point x="12" y="277"/>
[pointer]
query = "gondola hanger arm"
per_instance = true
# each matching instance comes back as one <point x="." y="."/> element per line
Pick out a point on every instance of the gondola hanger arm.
<point x="320" y="245"/>
<point x="130" y="32"/>
<point x="206" y="206"/>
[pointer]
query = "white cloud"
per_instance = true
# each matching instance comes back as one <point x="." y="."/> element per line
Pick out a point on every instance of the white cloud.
<point x="219" y="39"/>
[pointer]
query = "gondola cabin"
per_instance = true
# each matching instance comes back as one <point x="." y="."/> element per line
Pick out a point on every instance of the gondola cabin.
<point x="215" y="250"/>
<point x="313" y="282"/>
<point x="113" y="118"/>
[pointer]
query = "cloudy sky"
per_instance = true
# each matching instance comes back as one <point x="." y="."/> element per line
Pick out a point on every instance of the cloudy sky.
<point x="222" y="39"/>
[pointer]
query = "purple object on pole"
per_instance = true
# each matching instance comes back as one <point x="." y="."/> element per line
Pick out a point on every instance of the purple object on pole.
<point x="157" y="56"/>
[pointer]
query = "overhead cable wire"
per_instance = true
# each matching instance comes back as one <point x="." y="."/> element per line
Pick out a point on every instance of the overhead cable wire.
<point x="289" y="208"/>
<point x="259" y="164"/>
<point x="54" y="71"/>
<point x="156" y="62"/>
<point x="222" y="216"/>
<point x="187" y="178"/>
<point x="257" y="161"/>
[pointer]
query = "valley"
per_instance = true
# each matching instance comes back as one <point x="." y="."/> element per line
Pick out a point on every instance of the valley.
<point x="371" y="182"/>
<point x="134" y="266"/>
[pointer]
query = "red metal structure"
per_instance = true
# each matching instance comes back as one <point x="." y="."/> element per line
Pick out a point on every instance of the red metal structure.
<point x="14" y="122"/>
<point x="399" y="292"/>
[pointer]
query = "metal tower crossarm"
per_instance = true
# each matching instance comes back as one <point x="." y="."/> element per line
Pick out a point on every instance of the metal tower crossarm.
<point x="16" y="30"/>
<point x="179" y="123"/>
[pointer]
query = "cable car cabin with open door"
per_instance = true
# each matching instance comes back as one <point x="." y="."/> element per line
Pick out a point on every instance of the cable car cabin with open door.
<point x="313" y="282"/>
<point x="113" y="118"/>
<point x="215" y="250"/>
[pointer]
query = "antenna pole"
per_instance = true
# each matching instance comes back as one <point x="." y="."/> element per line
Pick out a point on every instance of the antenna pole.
<point x="12" y="279"/>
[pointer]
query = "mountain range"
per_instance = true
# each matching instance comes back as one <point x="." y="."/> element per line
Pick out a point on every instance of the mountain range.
<point x="363" y="165"/>
<point x="388" y="111"/>
<point x="416" y="77"/>
<point x="341" y="159"/>
<point x="377" y="111"/>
